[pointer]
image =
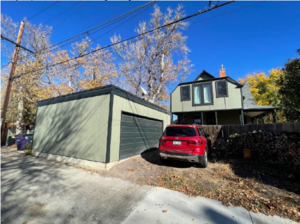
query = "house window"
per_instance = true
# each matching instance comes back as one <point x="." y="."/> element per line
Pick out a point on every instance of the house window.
<point x="202" y="94"/>
<point x="185" y="93"/>
<point x="197" y="94"/>
<point x="221" y="89"/>
<point x="207" y="93"/>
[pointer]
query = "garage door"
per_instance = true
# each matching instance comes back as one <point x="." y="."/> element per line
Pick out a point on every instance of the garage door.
<point x="138" y="134"/>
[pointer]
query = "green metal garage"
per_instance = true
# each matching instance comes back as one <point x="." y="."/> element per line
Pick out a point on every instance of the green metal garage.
<point x="105" y="124"/>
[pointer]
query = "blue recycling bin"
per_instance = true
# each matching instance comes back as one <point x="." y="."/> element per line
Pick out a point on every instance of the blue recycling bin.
<point x="21" y="142"/>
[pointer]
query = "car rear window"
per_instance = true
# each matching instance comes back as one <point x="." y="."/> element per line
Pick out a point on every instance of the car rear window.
<point x="180" y="131"/>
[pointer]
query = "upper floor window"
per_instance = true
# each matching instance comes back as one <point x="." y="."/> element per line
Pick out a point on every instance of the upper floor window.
<point x="202" y="94"/>
<point x="185" y="93"/>
<point x="221" y="89"/>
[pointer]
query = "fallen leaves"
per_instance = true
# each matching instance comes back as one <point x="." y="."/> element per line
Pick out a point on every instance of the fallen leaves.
<point x="232" y="190"/>
<point x="132" y="169"/>
<point x="164" y="211"/>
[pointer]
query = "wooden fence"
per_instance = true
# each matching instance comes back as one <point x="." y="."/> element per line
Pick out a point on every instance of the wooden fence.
<point x="224" y="131"/>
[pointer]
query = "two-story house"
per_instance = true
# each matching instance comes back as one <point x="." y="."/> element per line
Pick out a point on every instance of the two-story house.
<point x="209" y="100"/>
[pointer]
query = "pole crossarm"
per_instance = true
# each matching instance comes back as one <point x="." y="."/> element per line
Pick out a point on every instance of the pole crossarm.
<point x="11" y="41"/>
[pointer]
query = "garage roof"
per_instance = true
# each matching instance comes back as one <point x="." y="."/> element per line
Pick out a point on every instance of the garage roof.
<point x="109" y="89"/>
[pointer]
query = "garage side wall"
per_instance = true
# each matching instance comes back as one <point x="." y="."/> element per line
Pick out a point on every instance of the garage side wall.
<point x="121" y="104"/>
<point x="76" y="128"/>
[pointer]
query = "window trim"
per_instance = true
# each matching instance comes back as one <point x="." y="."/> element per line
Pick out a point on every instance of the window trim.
<point x="216" y="87"/>
<point x="181" y="93"/>
<point x="202" y="94"/>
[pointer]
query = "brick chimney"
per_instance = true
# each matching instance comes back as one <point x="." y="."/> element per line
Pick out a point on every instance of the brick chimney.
<point x="222" y="72"/>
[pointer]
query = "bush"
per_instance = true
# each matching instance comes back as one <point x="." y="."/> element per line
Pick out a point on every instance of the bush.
<point x="28" y="150"/>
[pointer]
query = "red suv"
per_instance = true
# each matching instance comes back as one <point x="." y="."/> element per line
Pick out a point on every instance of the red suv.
<point x="184" y="142"/>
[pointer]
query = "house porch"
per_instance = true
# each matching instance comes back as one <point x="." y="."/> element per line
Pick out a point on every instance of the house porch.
<point x="224" y="117"/>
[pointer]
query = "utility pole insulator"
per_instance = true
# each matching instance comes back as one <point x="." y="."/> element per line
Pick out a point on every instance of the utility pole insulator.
<point x="10" y="79"/>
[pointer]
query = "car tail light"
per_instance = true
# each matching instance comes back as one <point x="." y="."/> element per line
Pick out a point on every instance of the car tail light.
<point x="195" y="142"/>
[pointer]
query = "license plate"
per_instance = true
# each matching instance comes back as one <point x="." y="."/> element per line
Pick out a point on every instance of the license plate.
<point x="176" y="142"/>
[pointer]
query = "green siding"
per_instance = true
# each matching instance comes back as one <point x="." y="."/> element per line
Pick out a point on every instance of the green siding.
<point x="76" y="128"/>
<point x="233" y="101"/>
<point x="121" y="104"/>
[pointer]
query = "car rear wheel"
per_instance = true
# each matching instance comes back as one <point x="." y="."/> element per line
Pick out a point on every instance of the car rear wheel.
<point x="203" y="159"/>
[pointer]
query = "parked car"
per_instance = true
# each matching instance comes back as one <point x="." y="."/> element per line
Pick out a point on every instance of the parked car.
<point x="184" y="142"/>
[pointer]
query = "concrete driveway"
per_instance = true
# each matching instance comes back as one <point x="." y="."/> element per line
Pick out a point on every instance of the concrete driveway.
<point x="40" y="191"/>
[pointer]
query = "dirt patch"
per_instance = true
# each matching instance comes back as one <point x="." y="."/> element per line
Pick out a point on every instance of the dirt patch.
<point x="36" y="209"/>
<point x="256" y="187"/>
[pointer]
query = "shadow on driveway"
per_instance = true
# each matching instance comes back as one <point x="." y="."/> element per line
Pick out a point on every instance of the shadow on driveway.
<point x="152" y="156"/>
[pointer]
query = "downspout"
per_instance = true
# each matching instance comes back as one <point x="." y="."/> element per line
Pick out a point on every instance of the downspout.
<point x="242" y="102"/>
<point x="171" y="120"/>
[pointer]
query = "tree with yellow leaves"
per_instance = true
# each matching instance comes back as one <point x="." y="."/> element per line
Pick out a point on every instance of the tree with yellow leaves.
<point x="265" y="90"/>
<point x="43" y="81"/>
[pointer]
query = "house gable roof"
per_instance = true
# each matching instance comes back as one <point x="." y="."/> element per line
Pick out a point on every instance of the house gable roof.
<point x="205" y="75"/>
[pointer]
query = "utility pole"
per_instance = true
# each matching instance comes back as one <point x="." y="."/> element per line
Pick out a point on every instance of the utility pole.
<point x="10" y="80"/>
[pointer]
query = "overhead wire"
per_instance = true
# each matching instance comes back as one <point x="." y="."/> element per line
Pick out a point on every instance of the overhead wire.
<point x="5" y="65"/>
<point x="130" y="38"/>
<point x="94" y="39"/>
<point x="71" y="14"/>
<point x="88" y="31"/>
<point x="102" y="19"/>
<point x="54" y="3"/>
<point x="228" y="12"/>
<point x="122" y="23"/>
<point x="95" y="29"/>
<point x="62" y="12"/>
<point x="101" y="28"/>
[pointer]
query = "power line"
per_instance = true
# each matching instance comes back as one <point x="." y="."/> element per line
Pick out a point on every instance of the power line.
<point x="130" y="38"/>
<point x="62" y="13"/>
<point x="88" y="31"/>
<point x="101" y="28"/>
<point x="43" y="10"/>
<point x="225" y="13"/>
<point x="98" y="21"/>
<point x="121" y="23"/>
<point x="5" y="65"/>
<point x="70" y="15"/>
<point x="95" y="29"/>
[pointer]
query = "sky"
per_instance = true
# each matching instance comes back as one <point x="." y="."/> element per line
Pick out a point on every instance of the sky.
<point x="244" y="39"/>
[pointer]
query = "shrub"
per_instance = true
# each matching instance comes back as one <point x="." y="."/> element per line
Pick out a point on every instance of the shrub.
<point x="28" y="150"/>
